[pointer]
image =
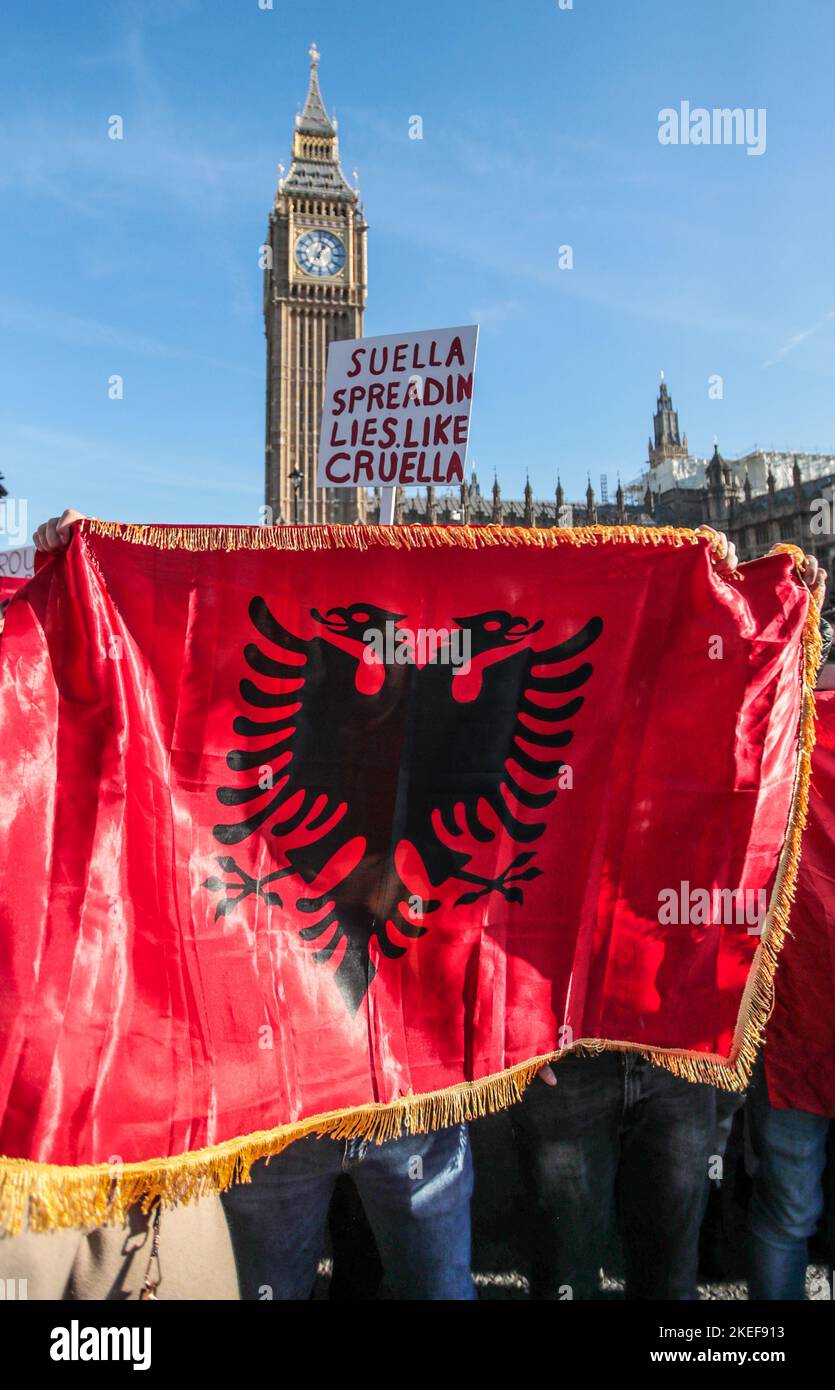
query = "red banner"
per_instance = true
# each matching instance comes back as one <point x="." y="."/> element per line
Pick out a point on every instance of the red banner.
<point x="800" y="1039"/>
<point x="345" y="829"/>
<point x="8" y="588"/>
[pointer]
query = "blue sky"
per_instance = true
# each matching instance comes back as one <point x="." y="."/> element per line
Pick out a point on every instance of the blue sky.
<point x="139" y="256"/>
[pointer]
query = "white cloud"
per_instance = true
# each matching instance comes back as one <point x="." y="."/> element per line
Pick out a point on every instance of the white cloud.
<point x="797" y="338"/>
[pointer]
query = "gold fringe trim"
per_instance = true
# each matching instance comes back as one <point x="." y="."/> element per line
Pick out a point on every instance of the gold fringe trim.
<point x="44" y="1197"/>
<point x="359" y="537"/>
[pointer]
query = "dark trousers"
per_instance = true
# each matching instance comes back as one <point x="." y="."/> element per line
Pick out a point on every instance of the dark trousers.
<point x="416" y="1192"/>
<point x="616" y="1136"/>
<point x="788" y="1193"/>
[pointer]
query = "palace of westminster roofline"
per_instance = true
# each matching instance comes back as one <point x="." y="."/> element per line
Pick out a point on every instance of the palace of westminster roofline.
<point x="760" y="499"/>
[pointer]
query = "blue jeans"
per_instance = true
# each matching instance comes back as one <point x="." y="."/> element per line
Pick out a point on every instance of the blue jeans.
<point x="416" y="1192"/>
<point x="787" y="1198"/>
<point x="616" y="1135"/>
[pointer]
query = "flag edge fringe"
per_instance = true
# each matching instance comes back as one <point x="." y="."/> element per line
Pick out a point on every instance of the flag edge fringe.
<point x="41" y="1197"/>
<point x="364" y="537"/>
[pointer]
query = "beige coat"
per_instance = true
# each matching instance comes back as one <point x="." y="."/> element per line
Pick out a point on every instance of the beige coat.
<point x="195" y="1257"/>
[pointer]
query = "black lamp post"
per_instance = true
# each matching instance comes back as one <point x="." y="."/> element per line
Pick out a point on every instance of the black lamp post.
<point x="296" y="477"/>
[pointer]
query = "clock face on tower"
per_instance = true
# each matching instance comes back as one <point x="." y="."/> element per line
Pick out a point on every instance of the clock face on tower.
<point x="320" y="253"/>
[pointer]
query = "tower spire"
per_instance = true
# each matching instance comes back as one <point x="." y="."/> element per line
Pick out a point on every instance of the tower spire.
<point x="666" y="442"/>
<point x="314" y="119"/>
<point x="465" y="504"/>
<point x="315" y="171"/>
<point x="528" y="521"/>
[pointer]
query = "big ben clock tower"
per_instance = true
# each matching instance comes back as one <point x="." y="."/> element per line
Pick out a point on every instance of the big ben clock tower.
<point x="314" y="292"/>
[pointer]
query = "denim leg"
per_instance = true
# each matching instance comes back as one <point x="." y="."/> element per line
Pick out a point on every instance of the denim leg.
<point x="829" y="1204"/>
<point x="787" y="1196"/>
<point x="727" y="1105"/>
<point x="568" y="1142"/>
<point x="277" y="1221"/>
<point x="416" y="1192"/>
<point x="668" y="1140"/>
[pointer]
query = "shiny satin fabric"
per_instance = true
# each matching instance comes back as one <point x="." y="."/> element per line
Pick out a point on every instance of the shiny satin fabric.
<point x="9" y="586"/>
<point x="800" y="1038"/>
<point x="181" y="965"/>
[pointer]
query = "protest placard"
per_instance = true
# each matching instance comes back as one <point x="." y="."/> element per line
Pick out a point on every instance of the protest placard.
<point x="397" y="410"/>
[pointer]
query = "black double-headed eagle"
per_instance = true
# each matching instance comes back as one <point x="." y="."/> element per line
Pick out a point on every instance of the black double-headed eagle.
<point x="346" y="773"/>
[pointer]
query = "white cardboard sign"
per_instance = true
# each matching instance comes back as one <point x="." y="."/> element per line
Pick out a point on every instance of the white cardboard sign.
<point x="18" y="563"/>
<point x="397" y="409"/>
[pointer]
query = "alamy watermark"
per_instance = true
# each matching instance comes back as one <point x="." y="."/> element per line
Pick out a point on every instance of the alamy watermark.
<point x="80" y="1342"/>
<point x="723" y="125"/>
<point x="14" y="519"/>
<point x="420" y="646"/>
<point x="701" y="907"/>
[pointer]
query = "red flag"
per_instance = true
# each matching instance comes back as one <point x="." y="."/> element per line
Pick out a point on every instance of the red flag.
<point x="9" y="586"/>
<point x="344" y="829"/>
<point x="800" y="1040"/>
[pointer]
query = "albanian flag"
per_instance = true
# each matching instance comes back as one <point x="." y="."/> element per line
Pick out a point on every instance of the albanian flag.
<point x="348" y="829"/>
<point x="9" y="586"/>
